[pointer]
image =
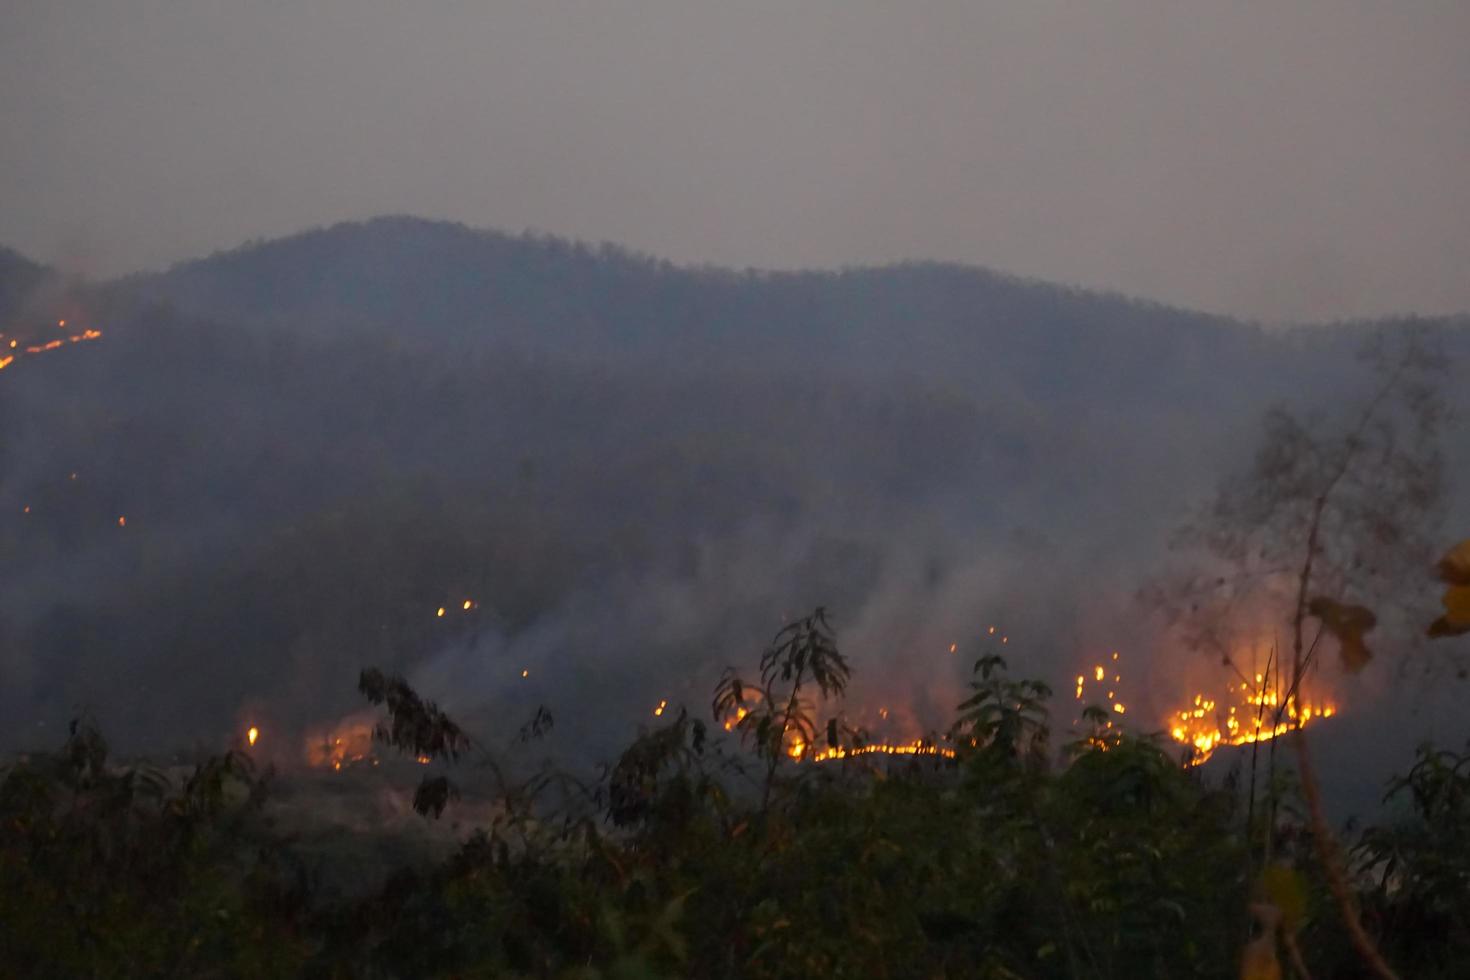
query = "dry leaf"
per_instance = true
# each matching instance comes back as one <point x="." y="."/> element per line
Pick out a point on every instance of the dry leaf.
<point x="1456" y="618"/>
<point x="1347" y="623"/>
<point x="1454" y="567"/>
<point x="1258" y="960"/>
<point x="1288" y="893"/>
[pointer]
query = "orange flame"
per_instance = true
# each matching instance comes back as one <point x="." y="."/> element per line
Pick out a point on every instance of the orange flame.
<point x="1260" y="714"/>
<point x="917" y="747"/>
<point x="50" y="345"/>
<point x="349" y="743"/>
<point x="1250" y="713"/>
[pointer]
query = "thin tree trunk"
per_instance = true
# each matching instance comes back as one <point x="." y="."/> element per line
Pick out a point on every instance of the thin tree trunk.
<point x="1330" y="854"/>
<point x="1328" y="851"/>
<point x="1295" y="952"/>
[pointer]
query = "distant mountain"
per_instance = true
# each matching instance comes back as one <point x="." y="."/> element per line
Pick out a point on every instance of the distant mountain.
<point x="437" y="282"/>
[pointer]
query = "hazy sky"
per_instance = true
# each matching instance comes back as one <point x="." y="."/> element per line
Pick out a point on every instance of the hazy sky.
<point x="1272" y="158"/>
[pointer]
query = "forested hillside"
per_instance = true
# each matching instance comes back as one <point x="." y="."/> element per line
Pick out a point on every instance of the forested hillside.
<point x="632" y="468"/>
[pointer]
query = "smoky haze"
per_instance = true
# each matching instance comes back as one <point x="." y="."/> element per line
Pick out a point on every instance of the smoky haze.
<point x="1300" y="160"/>
<point x="633" y="471"/>
<point x="635" y="461"/>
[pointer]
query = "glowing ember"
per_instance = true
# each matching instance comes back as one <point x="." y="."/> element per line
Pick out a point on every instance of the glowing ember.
<point x="468" y="603"/>
<point x="252" y="734"/>
<point x="349" y="743"/>
<point x="440" y="613"/>
<point x="657" y="712"/>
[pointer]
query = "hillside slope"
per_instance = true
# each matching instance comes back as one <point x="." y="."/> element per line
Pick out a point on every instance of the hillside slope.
<point x="632" y="469"/>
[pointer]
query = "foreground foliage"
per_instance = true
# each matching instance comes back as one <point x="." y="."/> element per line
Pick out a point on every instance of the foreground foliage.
<point x="695" y="857"/>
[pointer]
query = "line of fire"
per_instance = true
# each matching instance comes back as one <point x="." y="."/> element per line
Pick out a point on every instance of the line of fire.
<point x="13" y="348"/>
<point x="1240" y="714"/>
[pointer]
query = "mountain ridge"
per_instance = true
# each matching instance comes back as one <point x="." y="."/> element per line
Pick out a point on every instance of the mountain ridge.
<point x="180" y="280"/>
<point x="437" y="233"/>
<point x="439" y="282"/>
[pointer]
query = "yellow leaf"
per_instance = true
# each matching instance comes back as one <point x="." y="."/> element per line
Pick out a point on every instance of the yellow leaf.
<point x="1457" y="604"/>
<point x="1260" y="963"/>
<point x="1286" y="890"/>
<point x="1454" y="567"/>
<point x="1456" y="618"/>
<point x="1258" y="960"/>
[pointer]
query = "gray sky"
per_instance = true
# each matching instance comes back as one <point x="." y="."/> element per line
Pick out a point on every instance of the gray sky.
<point x="1271" y="158"/>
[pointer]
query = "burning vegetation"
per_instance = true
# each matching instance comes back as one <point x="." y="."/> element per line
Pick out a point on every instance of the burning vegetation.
<point x="343" y="746"/>
<point x="918" y="747"/>
<point x="1248" y="713"/>
<point x="1243" y="714"/>
<point x="14" y="348"/>
<point x="17" y="347"/>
